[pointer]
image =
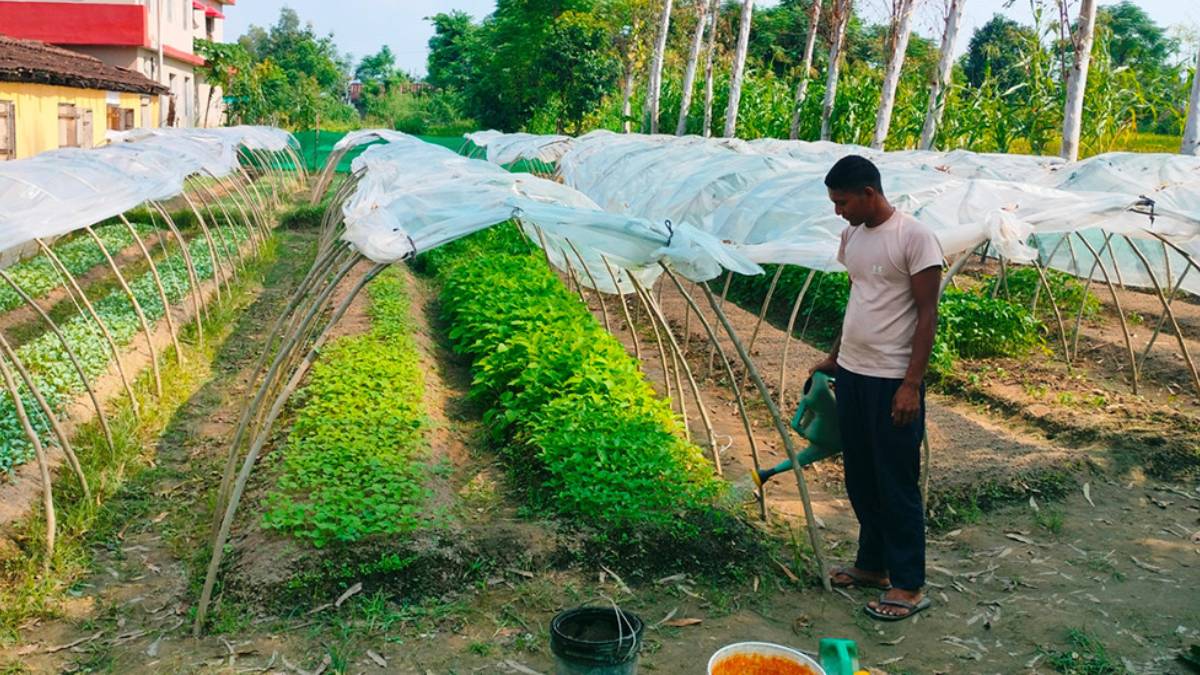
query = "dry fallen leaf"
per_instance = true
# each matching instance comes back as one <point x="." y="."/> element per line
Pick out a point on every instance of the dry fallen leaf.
<point x="1021" y="538"/>
<point x="680" y="623"/>
<point x="1087" y="494"/>
<point x="379" y="660"/>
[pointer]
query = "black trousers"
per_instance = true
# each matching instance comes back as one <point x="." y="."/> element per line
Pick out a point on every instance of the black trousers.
<point x="882" y="465"/>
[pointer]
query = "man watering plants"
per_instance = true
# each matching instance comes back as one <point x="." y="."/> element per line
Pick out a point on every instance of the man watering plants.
<point x="879" y="362"/>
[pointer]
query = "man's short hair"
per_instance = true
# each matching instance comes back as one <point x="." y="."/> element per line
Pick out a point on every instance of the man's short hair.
<point x="854" y="173"/>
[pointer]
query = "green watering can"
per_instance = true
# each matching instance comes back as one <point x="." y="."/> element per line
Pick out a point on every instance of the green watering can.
<point x="816" y="421"/>
<point x="839" y="657"/>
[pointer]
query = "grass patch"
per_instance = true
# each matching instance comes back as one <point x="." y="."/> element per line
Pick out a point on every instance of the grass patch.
<point x="303" y="216"/>
<point x="1085" y="655"/>
<point x="967" y="503"/>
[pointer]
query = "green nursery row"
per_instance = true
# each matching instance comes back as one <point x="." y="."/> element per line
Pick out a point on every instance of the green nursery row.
<point x="352" y="464"/>
<point x="48" y="360"/>
<point x="584" y="435"/>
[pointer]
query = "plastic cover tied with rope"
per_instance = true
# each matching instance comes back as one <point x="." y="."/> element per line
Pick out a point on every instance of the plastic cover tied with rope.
<point x="413" y="196"/>
<point x="769" y="195"/>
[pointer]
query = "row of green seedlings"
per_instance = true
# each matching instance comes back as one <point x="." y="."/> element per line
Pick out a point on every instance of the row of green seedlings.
<point x="584" y="436"/>
<point x="352" y="466"/>
<point x="46" y="357"/>
<point x="995" y="317"/>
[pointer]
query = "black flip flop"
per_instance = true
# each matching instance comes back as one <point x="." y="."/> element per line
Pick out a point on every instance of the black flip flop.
<point x="913" y="608"/>
<point x="855" y="580"/>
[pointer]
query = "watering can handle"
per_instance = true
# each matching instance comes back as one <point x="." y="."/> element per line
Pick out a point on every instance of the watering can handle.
<point x="839" y="657"/>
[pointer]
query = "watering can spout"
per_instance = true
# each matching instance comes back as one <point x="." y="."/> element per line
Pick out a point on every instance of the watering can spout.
<point x="816" y="421"/>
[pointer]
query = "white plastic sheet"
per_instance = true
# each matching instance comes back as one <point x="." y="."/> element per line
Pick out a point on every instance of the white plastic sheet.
<point x="413" y="196"/>
<point x="768" y="197"/>
<point x="63" y="190"/>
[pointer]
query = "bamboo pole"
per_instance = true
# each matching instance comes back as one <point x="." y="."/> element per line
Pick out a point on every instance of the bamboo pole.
<point x="1187" y="356"/>
<point x="1120" y="312"/>
<point x="1162" y="320"/>
<point x="303" y="290"/>
<point x="70" y="352"/>
<point x="200" y="314"/>
<point x="112" y="344"/>
<point x="662" y="352"/>
<point x="212" y="251"/>
<point x="64" y="441"/>
<point x="712" y="348"/>
<point x="1062" y="329"/>
<point x="1087" y="285"/>
<point x="781" y="428"/>
<point x="737" y="391"/>
<point x="682" y="363"/>
<point x="637" y="347"/>
<point x="260" y="440"/>
<point x="137" y="309"/>
<point x="595" y="286"/>
<point x="787" y="337"/>
<point x="43" y="465"/>
<point x="649" y="302"/>
<point x="162" y="291"/>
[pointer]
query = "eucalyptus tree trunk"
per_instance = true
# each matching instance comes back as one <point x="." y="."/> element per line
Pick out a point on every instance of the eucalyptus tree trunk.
<point x="708" y="67"/>
<point x="689" y="75"/>
<point x="839" y="18"/>
<point x="1077" y="83"/>
<point x="656" y="68"/>
<point x="901" y="29"/>
<point x="1191" y="131"/>
<point x="627" y="98"/>
<point x="739" y="68"/>
<point x="814" y="18"/>
<point x="940" y="87"/>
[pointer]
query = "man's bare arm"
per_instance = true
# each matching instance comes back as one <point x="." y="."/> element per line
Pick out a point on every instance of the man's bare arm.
<point x="925" y="288"/>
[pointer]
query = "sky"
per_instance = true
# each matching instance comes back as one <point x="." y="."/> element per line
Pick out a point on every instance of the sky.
<point x="361" y="27"/>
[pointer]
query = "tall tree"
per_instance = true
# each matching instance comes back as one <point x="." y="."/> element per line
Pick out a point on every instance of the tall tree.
<point x="578" y="65"/>
<point x="940" y="86"/>
<point x="838" y="18"/>
<point x="739" y="68"/>
<point x="997" y="47"/>
<point x="1191" y="130"/>
<point x="1077" y="82"/>
<point x="899" y="29"/>
<point x="378" y="67"/>
<point x="654" y="93"/>
<point x="689" y="73"/>
<point x="810" y="43"/>
<point x="1135" y="40"/>
<point x="628" y="21"/>
<point x="710" y="51"/>
<point x="450" y="64"/>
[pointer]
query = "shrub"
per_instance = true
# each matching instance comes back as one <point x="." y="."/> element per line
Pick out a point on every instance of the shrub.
<point x="351" y="468"/>
<point x="1069" y="293"/>
<point x="974" y="325"/>
<point x="303" y="216"/>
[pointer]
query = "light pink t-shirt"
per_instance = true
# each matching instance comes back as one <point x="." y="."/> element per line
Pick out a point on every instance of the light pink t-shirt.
<point x="881" y="315"/>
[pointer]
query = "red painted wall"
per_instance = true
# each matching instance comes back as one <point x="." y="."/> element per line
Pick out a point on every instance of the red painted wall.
<point x="75" y="23"/>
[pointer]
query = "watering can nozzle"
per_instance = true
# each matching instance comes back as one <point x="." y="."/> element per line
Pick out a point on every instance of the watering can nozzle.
<point x="816" y="421"/>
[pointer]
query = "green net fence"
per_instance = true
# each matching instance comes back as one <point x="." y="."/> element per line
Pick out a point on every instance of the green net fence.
<point x="315" y="147"/>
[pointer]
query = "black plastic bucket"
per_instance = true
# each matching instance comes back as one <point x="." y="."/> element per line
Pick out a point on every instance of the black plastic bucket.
<point x="596" y="641"/>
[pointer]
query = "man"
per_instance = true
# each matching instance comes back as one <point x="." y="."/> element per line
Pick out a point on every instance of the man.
<point x="895" y="267"/>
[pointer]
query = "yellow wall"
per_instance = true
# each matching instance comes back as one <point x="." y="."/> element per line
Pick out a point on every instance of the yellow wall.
<point x="36" y="112"/>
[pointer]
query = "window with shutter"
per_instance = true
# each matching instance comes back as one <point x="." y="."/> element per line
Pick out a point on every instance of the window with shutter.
<point x="8" y="131"/>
